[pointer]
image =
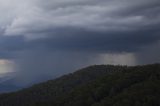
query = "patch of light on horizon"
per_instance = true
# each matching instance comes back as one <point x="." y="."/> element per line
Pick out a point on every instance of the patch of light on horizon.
<point x="118" y="59"/>
<point x="6" y="66"/>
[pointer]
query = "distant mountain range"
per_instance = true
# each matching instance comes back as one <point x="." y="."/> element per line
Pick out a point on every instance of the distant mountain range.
<point x="7" y="83"/>
<point x="98" y="85"/>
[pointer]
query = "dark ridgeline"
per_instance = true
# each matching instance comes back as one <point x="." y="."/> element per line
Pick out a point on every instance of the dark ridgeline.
<point x="99" y="85"/>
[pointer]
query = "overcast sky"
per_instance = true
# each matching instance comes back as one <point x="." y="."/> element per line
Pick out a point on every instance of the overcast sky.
<point x="47" y="38"/>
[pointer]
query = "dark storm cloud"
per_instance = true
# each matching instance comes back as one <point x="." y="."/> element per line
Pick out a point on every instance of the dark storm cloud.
<point x="63" y="35"/>
<point x="81" y="25"/>
<point x="89" y="41"/>
<point x="98" y="41"/>
<point x="10" y="45"/>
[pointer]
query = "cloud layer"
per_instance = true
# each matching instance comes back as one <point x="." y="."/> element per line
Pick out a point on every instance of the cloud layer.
<point x="48" y="38"/>
<point x="32" y="17"/>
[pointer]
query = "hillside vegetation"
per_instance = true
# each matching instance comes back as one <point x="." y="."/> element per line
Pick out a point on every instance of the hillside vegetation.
<point x="98" y="85"/>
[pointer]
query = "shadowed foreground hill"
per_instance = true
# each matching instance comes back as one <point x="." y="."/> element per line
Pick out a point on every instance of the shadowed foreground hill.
<point x="99" y="85"/>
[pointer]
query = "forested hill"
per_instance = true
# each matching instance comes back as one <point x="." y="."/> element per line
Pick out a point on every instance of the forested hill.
<point x="99" y="85"/>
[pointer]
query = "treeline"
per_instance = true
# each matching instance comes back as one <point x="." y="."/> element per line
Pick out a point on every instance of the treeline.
<point x="99" y="85"/>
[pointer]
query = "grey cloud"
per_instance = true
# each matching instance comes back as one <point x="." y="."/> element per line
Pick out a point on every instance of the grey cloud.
<point x="48" y="38"/>
<point x="94" y="15"/>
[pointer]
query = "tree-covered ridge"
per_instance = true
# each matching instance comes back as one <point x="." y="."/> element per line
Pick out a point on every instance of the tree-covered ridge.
<point x="99" y="85"/>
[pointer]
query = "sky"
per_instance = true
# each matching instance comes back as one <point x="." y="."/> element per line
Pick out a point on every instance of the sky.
<point x="43" y="39"/>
